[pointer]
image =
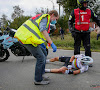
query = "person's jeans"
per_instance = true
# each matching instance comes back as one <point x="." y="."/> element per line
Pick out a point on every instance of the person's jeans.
<point x="40" y="54"/>
<point x="98" y="35"/>
<point x="62" y="36"/>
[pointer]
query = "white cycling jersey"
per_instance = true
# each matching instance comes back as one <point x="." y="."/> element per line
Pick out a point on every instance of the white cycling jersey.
<point x="76" y="64"/>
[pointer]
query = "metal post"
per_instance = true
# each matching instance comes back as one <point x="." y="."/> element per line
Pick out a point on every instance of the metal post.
<point x="59" y="2"/>
<point x="53" y="4"/>
<point x="59" y="9"/>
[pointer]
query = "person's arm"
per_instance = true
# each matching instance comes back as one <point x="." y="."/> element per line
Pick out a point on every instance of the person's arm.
<point x="71" y="22"/>
<point x="95" y="18"/>
<point x="72" y="58"/>
<point x="43" y="30"/>
<point x="83" y="69"/>
<point x="70" y="62"/>
<point x="76" y="72"/>
<point x="46" y="35"/>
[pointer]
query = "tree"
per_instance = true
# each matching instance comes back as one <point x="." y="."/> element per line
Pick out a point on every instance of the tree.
<point x="4" y="21"/>
<point x="94" y="5"/>
<point x="62" y="22"/>
<point x="17" y="12"/>
<point x="69" y="5"/>
<point x="19" y="21"/>
<point x="42" y="10"/>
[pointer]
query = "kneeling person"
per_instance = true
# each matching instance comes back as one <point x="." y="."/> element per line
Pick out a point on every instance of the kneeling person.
<point x="78" y="62"/>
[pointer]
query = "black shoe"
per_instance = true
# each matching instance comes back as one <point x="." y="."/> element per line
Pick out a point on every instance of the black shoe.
<point x="42" y="82"/>
<point x="91" y="65"/>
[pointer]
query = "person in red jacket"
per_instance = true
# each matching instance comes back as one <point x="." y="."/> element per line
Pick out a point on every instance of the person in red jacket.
<point x="80" y="32"/>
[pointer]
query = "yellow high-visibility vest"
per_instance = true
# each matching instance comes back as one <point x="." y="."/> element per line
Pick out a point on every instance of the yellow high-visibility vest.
<point x="29" y="32"/>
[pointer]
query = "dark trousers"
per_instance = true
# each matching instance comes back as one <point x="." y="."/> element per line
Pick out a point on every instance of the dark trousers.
<point x="40" y="54"/>
<point x="85" y="38"/>
<point x="98" y="35"/>
<point x="64" y="59"/>
<point x="62" y="36"/>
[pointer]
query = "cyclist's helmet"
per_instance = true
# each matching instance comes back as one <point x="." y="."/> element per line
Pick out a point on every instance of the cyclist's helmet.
<point x="86" y="60"/>
<point x="80" y="4"/>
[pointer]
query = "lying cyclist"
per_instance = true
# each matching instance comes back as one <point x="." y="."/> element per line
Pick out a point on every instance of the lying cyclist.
<point x="78" y="62"/>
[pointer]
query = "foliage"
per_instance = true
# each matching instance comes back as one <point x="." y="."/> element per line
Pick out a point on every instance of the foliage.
<point x="69" y="5"/>
<point x="68" y="42"/>
<point x="42" y="10"/>
<point x="63" y="22"/>
<point x="4" y="21"/>
<point x="19" y="21"/>
<point x="17" y="12"/>
<point x="95" y="6"/>
<point x="18" y="17"/>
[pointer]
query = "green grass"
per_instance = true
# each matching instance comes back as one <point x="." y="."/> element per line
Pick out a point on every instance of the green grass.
<point x="68" y="42"/>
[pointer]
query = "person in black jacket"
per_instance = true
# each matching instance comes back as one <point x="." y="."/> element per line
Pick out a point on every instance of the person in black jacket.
<point x="62" y="33"/>
<point x="80" y="32"/>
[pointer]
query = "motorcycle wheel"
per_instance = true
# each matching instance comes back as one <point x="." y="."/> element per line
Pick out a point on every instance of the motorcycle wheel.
<point x="4" y="55"/>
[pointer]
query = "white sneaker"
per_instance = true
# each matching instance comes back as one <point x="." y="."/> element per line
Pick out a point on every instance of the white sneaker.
<point x="47" y="61"/>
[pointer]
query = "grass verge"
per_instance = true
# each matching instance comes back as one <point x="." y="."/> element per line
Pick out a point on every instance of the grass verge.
<point x="68" y="42"/>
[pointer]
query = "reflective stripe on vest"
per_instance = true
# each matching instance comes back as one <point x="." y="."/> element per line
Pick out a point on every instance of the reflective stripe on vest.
<point x="31" y="27"/>
<point x="34" y="22"/>
<point x="33" y="32"/>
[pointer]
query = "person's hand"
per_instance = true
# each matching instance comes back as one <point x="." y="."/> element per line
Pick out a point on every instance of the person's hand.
<point x="67" y="72"/>
<point x="43" y="45"/>
<point x="73" y="34"/>
<point x="69" y="67"/>
<point x="54" y="47"/>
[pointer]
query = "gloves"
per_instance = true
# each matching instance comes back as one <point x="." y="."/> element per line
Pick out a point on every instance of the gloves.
<point x="73" y="34"/>
<point x="69" y="67"/>
<point x="43" y="45"/>
<point x="68" y="72"/>
<point x="54" y="47"/>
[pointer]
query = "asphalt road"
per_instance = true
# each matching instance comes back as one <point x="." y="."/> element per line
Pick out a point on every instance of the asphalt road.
<point x="18" y="75"/>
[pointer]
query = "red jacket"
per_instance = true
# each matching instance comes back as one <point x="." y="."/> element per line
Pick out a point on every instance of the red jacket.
<point x="82" y="19"/>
